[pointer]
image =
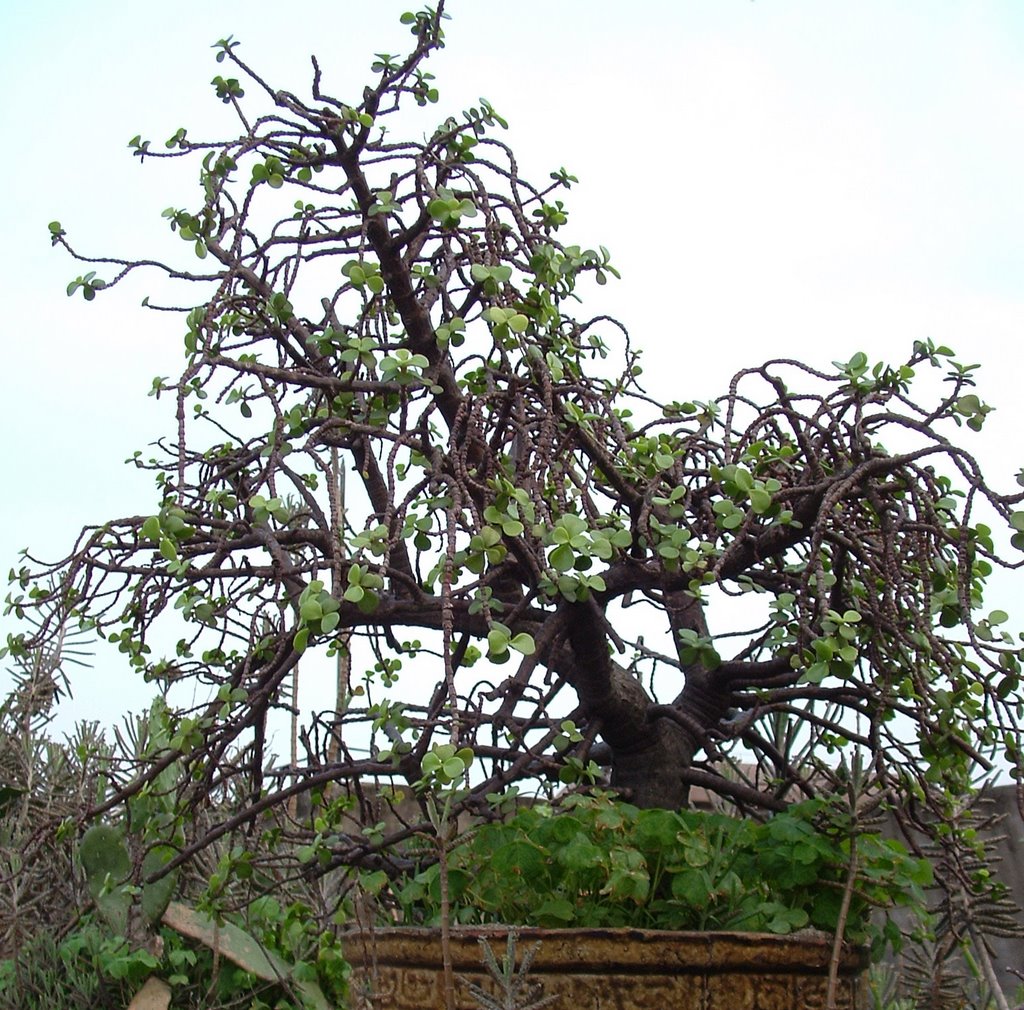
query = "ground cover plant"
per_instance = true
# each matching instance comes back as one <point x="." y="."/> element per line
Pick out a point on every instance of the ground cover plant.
<point x="398" y="441"/>
<point x="598" y="862"/>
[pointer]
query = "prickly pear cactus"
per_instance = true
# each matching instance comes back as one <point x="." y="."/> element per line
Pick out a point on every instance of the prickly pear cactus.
<point x="157" y="895"/>
<point x="104" y="858"/>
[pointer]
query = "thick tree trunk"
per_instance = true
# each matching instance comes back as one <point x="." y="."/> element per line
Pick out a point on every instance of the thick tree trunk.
<point x="650" y="776"/>
<point x="649" y="751"/>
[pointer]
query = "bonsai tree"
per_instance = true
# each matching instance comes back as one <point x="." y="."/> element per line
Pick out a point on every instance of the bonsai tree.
<point x="399" y="442"/>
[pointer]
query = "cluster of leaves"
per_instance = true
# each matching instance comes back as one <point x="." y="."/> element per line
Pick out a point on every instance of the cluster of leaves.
<point x="599" y="862"/>
<point x="41" y="977"/>
<point x="91" y="967"/>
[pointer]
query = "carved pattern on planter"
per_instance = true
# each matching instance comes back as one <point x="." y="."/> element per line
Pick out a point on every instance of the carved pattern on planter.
<point x="645" y="970"/>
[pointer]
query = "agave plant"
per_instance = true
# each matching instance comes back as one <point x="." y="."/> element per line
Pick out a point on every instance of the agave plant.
<point x="43" y="784"/>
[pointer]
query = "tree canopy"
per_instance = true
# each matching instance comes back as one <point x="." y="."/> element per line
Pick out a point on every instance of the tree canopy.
<point x="399" y="440"/>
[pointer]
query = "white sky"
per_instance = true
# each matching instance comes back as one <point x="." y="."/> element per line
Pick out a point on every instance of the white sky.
<point x="797" y="178"/>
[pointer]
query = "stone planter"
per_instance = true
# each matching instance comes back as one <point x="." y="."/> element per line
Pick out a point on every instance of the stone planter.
<point x="399" y="968"/>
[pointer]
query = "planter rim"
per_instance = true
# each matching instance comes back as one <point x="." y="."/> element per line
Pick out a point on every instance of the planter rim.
<point x="615" y="948"/>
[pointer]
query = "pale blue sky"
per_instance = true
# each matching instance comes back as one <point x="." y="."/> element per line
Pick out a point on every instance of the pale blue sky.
<point x="800" y="179"/>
